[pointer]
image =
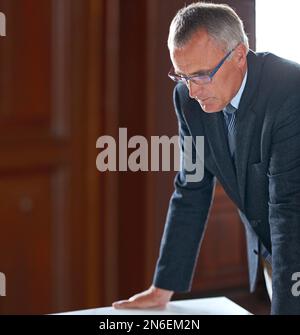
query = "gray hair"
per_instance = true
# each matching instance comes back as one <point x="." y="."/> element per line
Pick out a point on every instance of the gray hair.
<point x="219" y="20"/>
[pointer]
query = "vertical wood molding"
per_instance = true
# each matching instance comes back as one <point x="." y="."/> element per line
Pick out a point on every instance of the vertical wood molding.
<point x="111" y="189"/>
<point x="94" y="185"/>
<point x="6" y="50"/>
<point x="61" y="35"/>
<point x="61" y="53"/>
<point x="151" y="66"/>
<point x="61" y="237"/>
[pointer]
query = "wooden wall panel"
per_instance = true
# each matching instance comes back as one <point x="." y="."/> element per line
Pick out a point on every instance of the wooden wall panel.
<point x="94" y="183"/>
<point x="26" y="65"/>
<point x="77" y="70"/>
<point x="26" y="239"/>
<point x="222" y="261"/>
<point x="132" y="99"/>
<point x="110" y="122"/>
<point x="50" y="118"/>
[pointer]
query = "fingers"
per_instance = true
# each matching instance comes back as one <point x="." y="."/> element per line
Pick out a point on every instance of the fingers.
<point x="151" y="298"/>
<point x="131" y="304"/>
<point x="121" y="304"/>
<point x="137" y="303"/>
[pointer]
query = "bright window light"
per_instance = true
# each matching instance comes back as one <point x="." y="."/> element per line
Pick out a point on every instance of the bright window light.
<point x="278" y="27"/>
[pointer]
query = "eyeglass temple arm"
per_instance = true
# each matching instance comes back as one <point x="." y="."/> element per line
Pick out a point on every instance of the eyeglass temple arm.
<point x="220" y="64"/>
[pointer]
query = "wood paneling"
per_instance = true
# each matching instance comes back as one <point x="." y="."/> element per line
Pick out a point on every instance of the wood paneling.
<point x="25" y="63"/>
<point x="50" y="101"/>
<point x="93" y="110"/>
<point x="26" y="238"/>
<point x="110" y="114"/>
<point x="71" y="71"/>
<point x="222" y="261"/>
<point x="132" y="80"/>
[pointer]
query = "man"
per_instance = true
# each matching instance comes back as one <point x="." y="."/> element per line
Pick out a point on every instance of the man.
<point x="247" y="107"/>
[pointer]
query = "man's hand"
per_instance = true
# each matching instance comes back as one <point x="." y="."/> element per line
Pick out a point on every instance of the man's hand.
<point x="151" y="298"/>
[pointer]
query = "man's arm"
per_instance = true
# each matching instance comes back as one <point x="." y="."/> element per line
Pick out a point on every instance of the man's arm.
<point x="186" y="218"/>
<point x="184" y="228"/>
<point x="284" y="206"/>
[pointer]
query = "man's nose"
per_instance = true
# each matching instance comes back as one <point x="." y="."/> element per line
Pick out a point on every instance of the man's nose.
<point x="194" y="89"/>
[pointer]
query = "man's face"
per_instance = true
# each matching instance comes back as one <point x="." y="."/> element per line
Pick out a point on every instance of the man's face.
<point x="202" y="54"/>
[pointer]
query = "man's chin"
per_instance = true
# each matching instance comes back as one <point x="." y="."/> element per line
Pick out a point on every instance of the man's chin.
<point x="210" y="109"/>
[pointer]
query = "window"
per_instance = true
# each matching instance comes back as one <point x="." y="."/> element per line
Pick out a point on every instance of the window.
<point x="278" y="27"/>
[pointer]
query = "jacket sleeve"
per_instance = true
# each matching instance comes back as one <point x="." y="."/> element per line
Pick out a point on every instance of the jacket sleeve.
<point x="284" y="207"/>
<point x="185" y="223"/>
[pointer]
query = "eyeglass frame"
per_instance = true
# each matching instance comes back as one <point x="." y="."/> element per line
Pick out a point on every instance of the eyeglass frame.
<point x="181" y="78"/>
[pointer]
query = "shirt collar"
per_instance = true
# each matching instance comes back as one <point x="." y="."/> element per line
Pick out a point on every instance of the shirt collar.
<point x="236" y="100"/>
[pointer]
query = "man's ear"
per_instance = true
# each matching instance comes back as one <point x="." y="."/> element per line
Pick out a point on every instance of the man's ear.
<point x="241" y="55"/>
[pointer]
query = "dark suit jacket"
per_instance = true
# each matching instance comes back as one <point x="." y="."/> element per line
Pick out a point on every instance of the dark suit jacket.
<point x="265" y="188"/>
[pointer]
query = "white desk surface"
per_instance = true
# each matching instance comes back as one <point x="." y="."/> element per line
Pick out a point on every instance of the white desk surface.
<point x="206" y="306"/>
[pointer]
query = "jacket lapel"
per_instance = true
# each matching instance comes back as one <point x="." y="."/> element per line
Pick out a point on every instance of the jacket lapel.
<point x="246" y="118"/>
<point x="245" y="128"/>
<point x="217" y="157"/>
<point x="216" y="137"/>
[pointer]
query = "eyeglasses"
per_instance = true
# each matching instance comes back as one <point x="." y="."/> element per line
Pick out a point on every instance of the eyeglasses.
<point x="199" y="79"/>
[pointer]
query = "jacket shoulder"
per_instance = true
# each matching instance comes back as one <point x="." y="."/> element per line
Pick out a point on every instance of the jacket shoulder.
<point x="280" y="73"/>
